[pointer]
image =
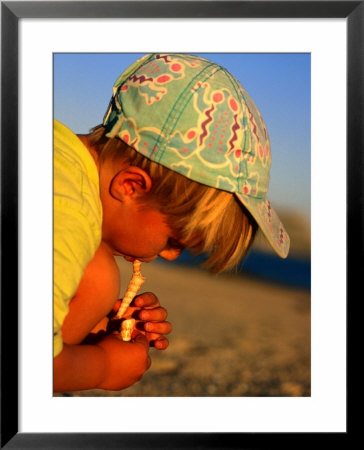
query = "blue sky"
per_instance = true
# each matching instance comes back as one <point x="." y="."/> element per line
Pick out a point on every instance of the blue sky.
<point x="279" y="83"/>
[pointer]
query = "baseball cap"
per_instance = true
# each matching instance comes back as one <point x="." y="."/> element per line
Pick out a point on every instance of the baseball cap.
<point x="193" y="117"/>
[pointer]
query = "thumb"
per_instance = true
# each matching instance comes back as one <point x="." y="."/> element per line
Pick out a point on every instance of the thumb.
<point x="140" y="338"/>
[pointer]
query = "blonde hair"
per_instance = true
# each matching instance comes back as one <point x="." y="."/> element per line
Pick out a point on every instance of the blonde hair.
<point x="207" y="220"/>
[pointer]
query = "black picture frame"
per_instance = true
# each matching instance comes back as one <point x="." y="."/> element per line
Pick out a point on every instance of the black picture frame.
<point x="11" y="12"/>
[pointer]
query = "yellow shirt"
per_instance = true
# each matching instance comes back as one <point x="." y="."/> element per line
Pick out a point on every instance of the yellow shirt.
<point x="77" y="220"/>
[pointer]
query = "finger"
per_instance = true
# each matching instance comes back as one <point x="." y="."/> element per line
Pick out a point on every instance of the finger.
<point x="145" y="300"/>
<point x="130" y="312"/>
<point x="117" y="306"/>
<point x="158" y="327"/>
<point x="155" y="314"/>
<point x="153" y="337"/>
<point x="160" y="344"/>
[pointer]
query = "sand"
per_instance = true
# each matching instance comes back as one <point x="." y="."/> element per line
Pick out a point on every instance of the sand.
<point x="232" y="336"/>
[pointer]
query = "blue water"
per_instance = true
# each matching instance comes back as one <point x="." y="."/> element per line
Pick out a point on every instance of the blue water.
<point x="291" y="271"/>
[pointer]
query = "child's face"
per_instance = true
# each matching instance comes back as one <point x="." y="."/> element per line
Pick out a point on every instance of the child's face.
<point x="130" y="227"/>
<point x="141" y="234"/>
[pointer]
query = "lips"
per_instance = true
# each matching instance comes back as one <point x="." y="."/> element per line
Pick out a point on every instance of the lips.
<point x="145" y="260"/>
<point x="129" y="258"/>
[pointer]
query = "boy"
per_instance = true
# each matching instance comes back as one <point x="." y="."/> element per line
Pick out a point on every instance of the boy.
<point x="182" y="160"/>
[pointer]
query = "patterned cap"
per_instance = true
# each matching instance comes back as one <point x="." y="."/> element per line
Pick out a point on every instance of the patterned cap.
<point x="193" y="117"/>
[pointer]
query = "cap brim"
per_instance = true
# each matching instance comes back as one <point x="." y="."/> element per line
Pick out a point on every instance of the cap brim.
<point x="269" y="222"/>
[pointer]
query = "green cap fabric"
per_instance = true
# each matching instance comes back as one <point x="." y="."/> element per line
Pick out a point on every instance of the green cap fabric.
<point x="192" y="116"/>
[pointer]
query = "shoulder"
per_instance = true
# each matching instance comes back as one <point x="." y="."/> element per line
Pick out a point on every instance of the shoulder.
<point x="101" y="276"/>
<point x="73" y="164"/>
<point x="103" y="263"/>
<point x="104" y="258"/>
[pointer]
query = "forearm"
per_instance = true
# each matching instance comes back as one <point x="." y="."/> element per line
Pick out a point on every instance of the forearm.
<point x="79" y="367"/>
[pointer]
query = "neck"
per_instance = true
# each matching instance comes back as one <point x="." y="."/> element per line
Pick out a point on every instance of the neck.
<point x="84" y="138"/>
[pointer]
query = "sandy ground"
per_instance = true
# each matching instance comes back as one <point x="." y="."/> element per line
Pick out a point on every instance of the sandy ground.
<point x="232" y="336"/>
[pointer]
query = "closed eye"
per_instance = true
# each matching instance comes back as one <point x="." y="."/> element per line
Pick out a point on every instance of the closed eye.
<point x="173" y="243"/>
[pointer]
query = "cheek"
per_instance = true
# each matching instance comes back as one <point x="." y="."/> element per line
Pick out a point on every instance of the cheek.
<point x="138" y="241"/>
<point x="148" y="241"/>
<point x="143" y="234"/>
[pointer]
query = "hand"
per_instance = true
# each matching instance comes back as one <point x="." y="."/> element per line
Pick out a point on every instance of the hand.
<point x="153" y="318"/>
<point x="126" y="362"/>
<point x="150" y="317"/>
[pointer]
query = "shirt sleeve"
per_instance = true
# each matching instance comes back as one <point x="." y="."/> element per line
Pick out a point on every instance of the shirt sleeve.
<point x="77" y="221"/>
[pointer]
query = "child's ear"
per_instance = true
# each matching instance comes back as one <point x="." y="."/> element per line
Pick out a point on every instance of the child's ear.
<point x="132" y="182"/>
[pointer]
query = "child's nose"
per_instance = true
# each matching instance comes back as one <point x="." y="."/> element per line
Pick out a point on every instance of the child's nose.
<point x="170" y="254"/>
